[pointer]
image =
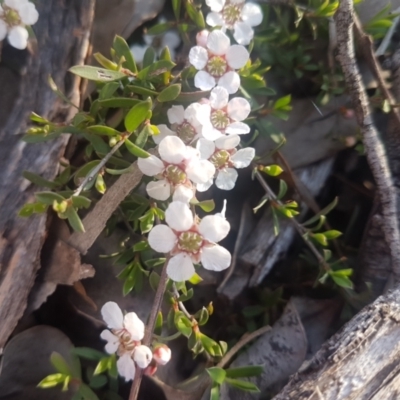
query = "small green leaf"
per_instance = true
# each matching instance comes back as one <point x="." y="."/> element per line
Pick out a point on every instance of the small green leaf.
<point x="103" y="130"/>
<point x="154" y="280"/>
<point x="48" y="197"/>
<point x="244" y="372"/>
<point x="214" y="394"/>
<point x="108" y="90"/>
<point x="74" y="220"/>
<point x="160" y="28"/>
<point x="324" y="211"/>
<point x="141" y="246"/>
<point x="96" y="74"/>
<point x="39" y="181"/>
<point x="195" y="15"/>
<point x="142" y="90"/>
<point x="202" y="316"/>
<point x="59" y="363"/>
<point x="320" y="238"/>
<point x="187" y="296"/>
<point x="283" y="103"/>
<point x="81" y="201"/>
<point x="117" y="102"/>
<point x="341" y="280"/>
<point x="243" y="385"/>
<point x="87" y="393"/>
<point x="98" y="381"/>
<point x="169" y="93"/>
<point x="206" y="205"/>
<point x="156" y="69"/>
<point x="332" y="234"/>
<point x="141" y="140"/>
<point x="88" y="353"/>
<point x="147" y="221"/>
<point x="217" y="374"/>
<point x="148" y="58"/>
<point x="176" y="5"/>
<point x="137" y="115"/>
<point x="105" y="62"/>
<point x="51" y="381"/>
<point x="101" y="366"/>
<point x="195" y="279"/>
<point x="136" y="150"/>
<point x="122" y="50"/>
<point x="273" y="170"/>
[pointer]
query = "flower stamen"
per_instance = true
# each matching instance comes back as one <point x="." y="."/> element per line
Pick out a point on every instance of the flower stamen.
<point x="217" y="66"/>
<point x="190" y="242"/>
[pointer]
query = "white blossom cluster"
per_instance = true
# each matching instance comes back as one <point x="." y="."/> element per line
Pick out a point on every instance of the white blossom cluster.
<point x="124" y="339"/>
<point x="15" y="15"/>
<point x="200" y="144"/>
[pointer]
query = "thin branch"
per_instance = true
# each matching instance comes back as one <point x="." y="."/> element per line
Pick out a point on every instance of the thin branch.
<point x="299" y="228"/>
<point x="374" y="147"/>
<point x="148" y="335"/>
<point x="180" y="304"/>
<point x="98" y="168"/>
<point x="245" y="339"/>
<point x="367" y="47"/>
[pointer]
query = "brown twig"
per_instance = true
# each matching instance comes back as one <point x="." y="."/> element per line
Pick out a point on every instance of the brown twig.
<point x="299" y="228"/>
<point x="375" y="151"/>
<point x="367" y="48"/>
<point x="148" y="335"/>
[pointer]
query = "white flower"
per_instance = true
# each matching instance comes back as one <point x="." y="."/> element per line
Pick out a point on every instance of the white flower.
<point x="14" y="16"/>
<point x="124" y="338"/>
<point x="179" y="167"/>
<point x="162" y="354"/>
<point x="218" y="62"/>
<point x="225" y="115"/>
<point x="169" y="39"/>
<point x="190" y="242"/>
<point x="185" y="123"/>
<point x="223" y="154"/>
<point x="237" y="15"/>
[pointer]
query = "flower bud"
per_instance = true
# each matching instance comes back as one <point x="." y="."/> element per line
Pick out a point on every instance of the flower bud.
<point x="60" y="207"/>
<point x="201" y="38"/>
<point x="162" y="354"/>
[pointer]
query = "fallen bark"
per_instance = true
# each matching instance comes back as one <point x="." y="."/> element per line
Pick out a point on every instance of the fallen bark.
<point x="62" y="41"/>
<point x="358" y="363"/>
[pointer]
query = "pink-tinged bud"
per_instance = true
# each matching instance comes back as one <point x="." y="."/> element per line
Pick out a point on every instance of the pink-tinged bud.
<point x="201" y="38"/>
<point x="162" y="354"/>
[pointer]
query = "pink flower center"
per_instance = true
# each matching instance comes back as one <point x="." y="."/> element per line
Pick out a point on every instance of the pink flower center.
<point x="217" y="66"/>
<point x="190" y="242"/>
<point x="232" y="13"/>
<point x="219" y="119"/>
<point x="175" y="175"/>
<point x="185" y="132"/>
<point x="220" y="159"/>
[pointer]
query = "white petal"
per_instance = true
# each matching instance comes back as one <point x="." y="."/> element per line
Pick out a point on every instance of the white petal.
<point x="243" y="157"/>
<point x="226" y="179"/>
<point x="206" y="148"/>
<point x="197" y="113"/>
<point x="210" y="133"/>
<point x="215" y="19"/>
<point x="134" y="325"/>
<point x="142" y="356"/>
<point x="238" y="108"/>
<point x="29" y="14"/>
<point x="183" y="193"/>
<point x="180" y="268"/>
<point x="175" y="115"/>
<point x="243" y="33"/>
<point x="204" y="81"/>
<point x="200" y="171"/>
<point x="164" y="132"/>
<point x="202" y="187"/>
<point x="216" y="5"/>
<point x="201" y="38"/>
<point x="237" y="128"/>
<point x="178" y="216"/>
<point x="230" y="81"/>
<point x="214" y="228"/>
<point x="171" y="39"/>
<point x="112" y="341"/>
<point x="227" y="142"/>
<point x="218" y="43"/>
<point x="159" y="190"/>
<point x="18" y="37"/>
<point x="3" y="30"/>
<point x="162" y="239"/>
<point x="252" y="14"/>
<point x="112" y="315"/>
<point x="219" y="98"/>
<point x="126" y="367"/>
<point x="198" y="57"/>
<point x="151" y="166"/>
<point x="237" y="56"/>
<point x="172" y="150"/>
<point x="215" y="258"/>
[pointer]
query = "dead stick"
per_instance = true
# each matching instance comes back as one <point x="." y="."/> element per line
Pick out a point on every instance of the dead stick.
<point x="375" y="150"/>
